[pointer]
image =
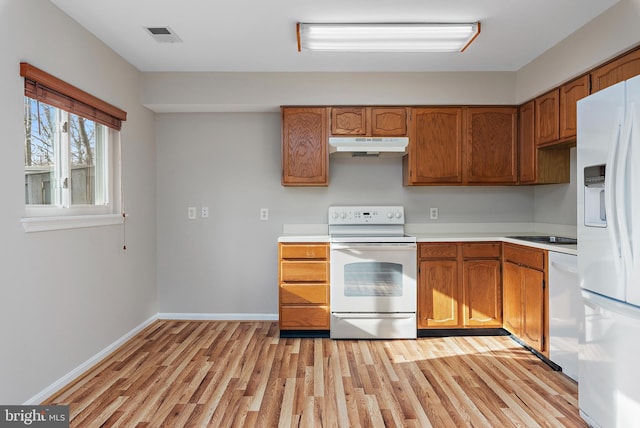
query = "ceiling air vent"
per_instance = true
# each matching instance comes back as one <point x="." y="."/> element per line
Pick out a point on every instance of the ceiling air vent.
<point x="163" y="35"/>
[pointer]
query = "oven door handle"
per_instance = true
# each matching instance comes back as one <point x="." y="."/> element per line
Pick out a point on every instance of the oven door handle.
<point x="378" y="247"/>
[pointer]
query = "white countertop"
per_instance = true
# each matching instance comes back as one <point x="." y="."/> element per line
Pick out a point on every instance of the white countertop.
<point x="455" y="233"/>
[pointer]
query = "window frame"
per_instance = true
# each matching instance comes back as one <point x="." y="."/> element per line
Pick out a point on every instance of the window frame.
<point x="52" y="91"/>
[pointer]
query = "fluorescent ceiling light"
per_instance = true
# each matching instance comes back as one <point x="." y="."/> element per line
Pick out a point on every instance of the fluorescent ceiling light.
<point x="401" y="37"/>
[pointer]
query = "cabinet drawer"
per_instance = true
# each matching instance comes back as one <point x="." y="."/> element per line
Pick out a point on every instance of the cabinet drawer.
<point x="524" y="256"/>
<point x="304" y="317"/>
<point x="438" y="250"/>
<point x="484" y="250"/>
<point x="304" y="251"/>
<point x="299" y="271"/>
<point x="300" y="294"/>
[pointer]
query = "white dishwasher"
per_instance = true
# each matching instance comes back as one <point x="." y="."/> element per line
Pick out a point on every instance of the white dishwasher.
<point x="566" y="311"/>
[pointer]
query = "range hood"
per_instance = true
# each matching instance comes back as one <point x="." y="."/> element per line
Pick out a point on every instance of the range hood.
<point x="368" y="146"/>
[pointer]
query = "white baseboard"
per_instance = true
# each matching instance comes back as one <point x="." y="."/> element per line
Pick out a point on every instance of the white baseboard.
<point x="217" y="317"/>
<point x="75" y="373"/>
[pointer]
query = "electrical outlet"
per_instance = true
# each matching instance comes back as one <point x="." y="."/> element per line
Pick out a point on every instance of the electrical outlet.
<point x="191" y="213"/>
<point x="204" y="212"/>
<point x="433" y="213"/>
<point x="264" y="214"/>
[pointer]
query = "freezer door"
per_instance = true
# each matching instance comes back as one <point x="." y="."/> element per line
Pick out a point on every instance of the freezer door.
<point x="609" y="387"/>
<point x="600" y="119"/>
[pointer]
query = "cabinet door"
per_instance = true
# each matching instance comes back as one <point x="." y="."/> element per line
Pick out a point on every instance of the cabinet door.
<point x="388" y="121"/>
<point x="527" y="139"/>
<point x="348" y="121"/>
<point x="570" y="93"/>
<point x="548" y="117"/>
<point x="616" y="71"/>
<point x="438" y="294"/>
<point x="512" y="294"/>
<point x="482" y="293"/>
<point x="304" y="147"/>
<point x="490" y="149"/>
<point x="435" y="146"/>
<point x="533" y="308"/>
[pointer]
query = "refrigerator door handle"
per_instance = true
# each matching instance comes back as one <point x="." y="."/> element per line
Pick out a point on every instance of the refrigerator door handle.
<point x="610" y="186"/>
<point x="622" y="205"/>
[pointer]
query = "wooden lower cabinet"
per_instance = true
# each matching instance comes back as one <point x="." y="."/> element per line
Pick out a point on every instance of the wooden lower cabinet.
<point x="303" y="277"/>
<point x="482" y="291"/>
<point x="459" y="285"/>
<point x="512" y="296"/>
<point x="438" y="294"/>
<point x="525" y="308"/>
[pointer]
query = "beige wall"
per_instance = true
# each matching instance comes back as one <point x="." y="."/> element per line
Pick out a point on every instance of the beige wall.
<point x="237" y="92"/>
<point x="68" y="294"/>
<point x="606" y="36"/>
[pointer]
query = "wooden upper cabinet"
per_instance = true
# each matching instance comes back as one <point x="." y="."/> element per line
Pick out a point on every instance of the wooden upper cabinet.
<point x="304" y="146"/>
<point x="548" y="117"/>
<point x="348" y="121"/>
<point x="388" y="121"/>
<point x="369" y="121"/>
<point x="539" y="165"/>
<point x="435" y="146"/>
<point x="490" y="148"/>
<point x="618" y="70"/>
<point x="570" y="93"/>
<point x="527" y="139"/>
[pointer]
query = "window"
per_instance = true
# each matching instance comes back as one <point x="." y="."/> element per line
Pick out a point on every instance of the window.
<point x="71" y="156"/>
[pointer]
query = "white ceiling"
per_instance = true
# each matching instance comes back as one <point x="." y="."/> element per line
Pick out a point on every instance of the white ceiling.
<point x="259" y="35"/>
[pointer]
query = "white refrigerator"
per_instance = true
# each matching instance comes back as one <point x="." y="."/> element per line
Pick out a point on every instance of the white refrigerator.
<point x="608" y="170"/>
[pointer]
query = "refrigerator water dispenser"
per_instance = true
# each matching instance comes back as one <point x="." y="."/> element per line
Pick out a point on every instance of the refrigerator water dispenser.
<point x="594" y="206"/>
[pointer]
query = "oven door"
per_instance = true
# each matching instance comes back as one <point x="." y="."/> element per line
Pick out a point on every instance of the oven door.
<point x="373" y="278"/>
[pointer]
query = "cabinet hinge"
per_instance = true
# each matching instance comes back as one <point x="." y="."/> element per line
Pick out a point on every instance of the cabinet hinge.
<point x="544" y="284"/>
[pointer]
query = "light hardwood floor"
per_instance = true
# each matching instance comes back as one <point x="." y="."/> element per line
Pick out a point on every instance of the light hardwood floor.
<point x="232" y="374"/>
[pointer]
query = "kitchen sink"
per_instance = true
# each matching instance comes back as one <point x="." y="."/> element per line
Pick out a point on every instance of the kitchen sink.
<point x="557" y="240"/>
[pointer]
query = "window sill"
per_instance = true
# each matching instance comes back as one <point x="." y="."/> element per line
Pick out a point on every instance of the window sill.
<point x="42" y="224"/>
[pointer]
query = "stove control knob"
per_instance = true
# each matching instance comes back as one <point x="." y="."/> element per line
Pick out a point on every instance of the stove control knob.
<point x="343" y="215"/>
<point x="334" y="215"/>
<point x="390" y="215"/>
<point x="398" y="214"/>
